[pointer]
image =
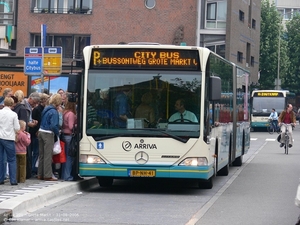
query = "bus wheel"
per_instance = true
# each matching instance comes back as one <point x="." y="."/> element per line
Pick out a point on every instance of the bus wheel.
<point x="224" y="171"/>
<point x="105" y="181"/>
<point x="238" y="161"/>
<point x="206" y="184"/>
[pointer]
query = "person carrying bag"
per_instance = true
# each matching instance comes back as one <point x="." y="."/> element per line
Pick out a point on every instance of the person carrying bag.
<point x="68" y="136"/>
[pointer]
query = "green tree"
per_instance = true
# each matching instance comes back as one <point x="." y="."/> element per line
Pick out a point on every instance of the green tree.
<point x="270" y="42"/>
<point x="291" y="80"/>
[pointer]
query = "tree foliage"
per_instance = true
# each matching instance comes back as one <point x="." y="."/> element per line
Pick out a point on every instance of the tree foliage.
<point x="291" y="81"/>
<point x="270" y="42"/>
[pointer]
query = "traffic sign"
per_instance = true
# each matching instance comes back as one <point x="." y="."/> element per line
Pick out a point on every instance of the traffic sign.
<point x="52" y="60"/>
<point x="33" y="57"/>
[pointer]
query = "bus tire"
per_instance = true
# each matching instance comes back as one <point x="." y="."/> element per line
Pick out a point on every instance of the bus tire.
<point x="105" y="181"/>
<point x="238" y="161"/>
<point x="224" y="171"/>
<point x="206" y="184"/>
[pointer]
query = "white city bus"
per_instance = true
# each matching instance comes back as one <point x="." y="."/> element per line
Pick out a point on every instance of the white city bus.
<point x="263" y="101"/>
<point x="149" y="145"/>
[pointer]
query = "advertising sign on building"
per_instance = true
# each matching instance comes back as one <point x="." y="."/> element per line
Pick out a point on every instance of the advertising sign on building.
<point x="14" y="80"/>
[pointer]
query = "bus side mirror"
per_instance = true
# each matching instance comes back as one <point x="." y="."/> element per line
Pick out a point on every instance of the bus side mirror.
<point x="214" y="88"/>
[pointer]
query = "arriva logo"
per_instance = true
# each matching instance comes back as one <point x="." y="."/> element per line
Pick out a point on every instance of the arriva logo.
<point x="141" y="145"/>
<point x="126" y="145"/>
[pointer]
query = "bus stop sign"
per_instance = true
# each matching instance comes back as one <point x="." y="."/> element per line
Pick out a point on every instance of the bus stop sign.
<point x="52" y="60"/>
<point x="33" y="58"/>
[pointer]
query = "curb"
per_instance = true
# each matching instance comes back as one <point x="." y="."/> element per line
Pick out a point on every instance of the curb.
<point x="30" y="202"/>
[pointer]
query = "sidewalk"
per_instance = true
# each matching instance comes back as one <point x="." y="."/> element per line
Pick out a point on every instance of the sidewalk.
<point x="16" y="201"/>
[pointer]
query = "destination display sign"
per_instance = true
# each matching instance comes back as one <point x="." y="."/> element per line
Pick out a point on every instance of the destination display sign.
<point x="154" y="59"/>
<point x="268" y="94"/>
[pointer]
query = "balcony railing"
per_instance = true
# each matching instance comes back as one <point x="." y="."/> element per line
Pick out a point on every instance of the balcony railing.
<point x="7" y="18"/>
<point x="62" y="10"/>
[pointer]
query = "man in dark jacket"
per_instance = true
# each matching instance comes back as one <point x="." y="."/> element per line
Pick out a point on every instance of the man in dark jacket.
<point x="34" y="146"/>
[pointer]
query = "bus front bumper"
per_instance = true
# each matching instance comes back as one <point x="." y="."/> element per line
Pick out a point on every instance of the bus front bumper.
<point x="259" y="124"/>
<point x="188" y="172"/>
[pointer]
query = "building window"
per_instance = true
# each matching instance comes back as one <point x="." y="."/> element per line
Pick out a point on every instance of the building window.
<point x="216" y="15"/>
<point x="6" y="13"/>
<point x="62" y="6"/>
<point x="240" y="57"/>
<point x="72" y="44"/>
<point x="242" y="16"/>
<point x="253" y="24"/>
<point x="252" y="61"/>
<point x="150" y="4"/>
<point x="288" y="13"/>
<point x="217" y="48"/>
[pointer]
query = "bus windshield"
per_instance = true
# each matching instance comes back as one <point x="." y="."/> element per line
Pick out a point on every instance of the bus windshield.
<point x="142" y="103"/>
<point x="266" y="104"/>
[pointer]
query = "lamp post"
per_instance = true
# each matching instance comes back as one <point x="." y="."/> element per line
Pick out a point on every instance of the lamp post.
<point x="278" y="80"/>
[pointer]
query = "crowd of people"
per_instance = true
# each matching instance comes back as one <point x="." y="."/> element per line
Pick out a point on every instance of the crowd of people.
<point x="28" y="127"/>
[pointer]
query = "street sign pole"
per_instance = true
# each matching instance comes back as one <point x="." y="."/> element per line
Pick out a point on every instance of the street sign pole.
<point x="43" y="43"/>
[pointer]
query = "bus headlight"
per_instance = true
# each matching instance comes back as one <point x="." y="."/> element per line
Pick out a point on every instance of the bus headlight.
<point x="91" y="159"/>
<point x="202" y="161"/>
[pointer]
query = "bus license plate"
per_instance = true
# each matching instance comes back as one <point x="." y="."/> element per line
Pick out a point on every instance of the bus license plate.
<point x="142" y="173"/>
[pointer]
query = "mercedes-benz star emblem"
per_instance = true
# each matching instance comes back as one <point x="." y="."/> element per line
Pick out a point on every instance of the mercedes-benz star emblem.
<point x="141" y="157"/>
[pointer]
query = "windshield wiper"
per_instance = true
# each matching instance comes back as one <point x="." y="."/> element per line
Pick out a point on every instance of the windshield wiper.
<point x="168" y="134"/>
<point x="108" y="137"/>
<point x="148" y="129"/>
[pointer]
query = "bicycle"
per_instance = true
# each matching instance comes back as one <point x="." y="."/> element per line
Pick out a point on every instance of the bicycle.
<point x="286" y="138"/>
<point x="271" y="128"/>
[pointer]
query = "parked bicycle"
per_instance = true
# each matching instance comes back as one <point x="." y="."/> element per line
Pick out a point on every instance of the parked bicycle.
<point x="271" y="127"/>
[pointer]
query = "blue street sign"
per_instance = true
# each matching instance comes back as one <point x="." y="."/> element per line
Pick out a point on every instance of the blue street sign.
<point x="33" y="60"/>
<point x="33" y="66"/>
<point x="28" y="51"/>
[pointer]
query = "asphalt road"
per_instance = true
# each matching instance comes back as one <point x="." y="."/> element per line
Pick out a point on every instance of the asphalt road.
<point x="262" y="191"/>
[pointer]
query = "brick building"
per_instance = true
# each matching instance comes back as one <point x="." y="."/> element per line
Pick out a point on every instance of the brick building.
<point x="230" y="28"/>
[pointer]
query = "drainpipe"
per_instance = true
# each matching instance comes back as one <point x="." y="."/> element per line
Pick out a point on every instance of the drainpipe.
<point x="198" y="23"/>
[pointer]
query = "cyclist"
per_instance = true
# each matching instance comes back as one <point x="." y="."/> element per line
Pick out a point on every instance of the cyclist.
<point x="287" y="116"/>
<point x="274" y="117"/>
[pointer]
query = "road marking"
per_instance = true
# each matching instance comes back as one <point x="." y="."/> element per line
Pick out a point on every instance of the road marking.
<point x="253" y="139"/>
<point x="198" y="215"/>
<point x="268" y="139"/>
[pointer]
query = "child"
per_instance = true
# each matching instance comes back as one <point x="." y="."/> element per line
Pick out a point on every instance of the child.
<point x="22" y="141"/>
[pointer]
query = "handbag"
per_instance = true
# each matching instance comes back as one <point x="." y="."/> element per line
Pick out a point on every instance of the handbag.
<point x="72" y="151"/>
<point x="279" y="137"/>
<point x="57" y="147"/>
<point x="61" y="157"/>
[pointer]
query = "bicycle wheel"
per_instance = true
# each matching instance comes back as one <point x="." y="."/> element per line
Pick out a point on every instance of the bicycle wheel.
<point x="286" y="147"/>
<point x="278" y="130"/>
<point x="270" y="129"/>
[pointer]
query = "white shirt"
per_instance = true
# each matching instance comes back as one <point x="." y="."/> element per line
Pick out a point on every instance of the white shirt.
<point x="9" y="124"/>
<point x="273" y="116"/>
<point x="187" y="115"/>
